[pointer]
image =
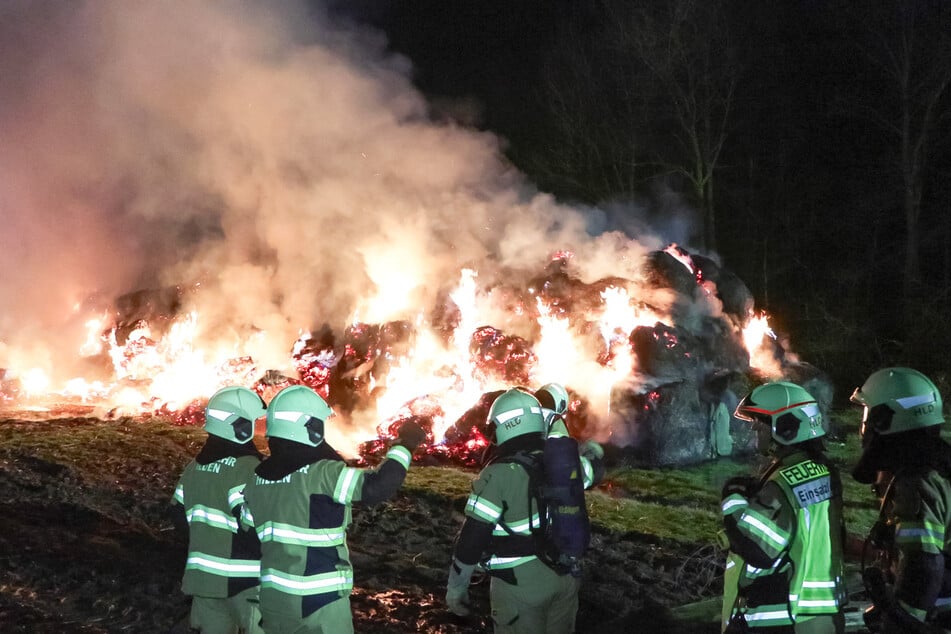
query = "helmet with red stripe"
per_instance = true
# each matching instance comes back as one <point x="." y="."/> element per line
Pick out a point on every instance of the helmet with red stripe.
<point x="791" y="413"/>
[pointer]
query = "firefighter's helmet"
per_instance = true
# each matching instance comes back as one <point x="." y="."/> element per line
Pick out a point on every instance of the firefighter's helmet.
<point x="896" y="400"/>
<point x="791" y="413"/>
<point x="554" y="397"/>
<point x="516" y="413"/>
<point x="231" y="412"/>
<point x="298" y="413"/>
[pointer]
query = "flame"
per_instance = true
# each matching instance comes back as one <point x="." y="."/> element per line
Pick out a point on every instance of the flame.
<point x="757" y="337"/>
<point x="684" y="258"/>
<point x="436" y="374"/>
<point x="35" y="381"/>
<point x="95" y="341"/>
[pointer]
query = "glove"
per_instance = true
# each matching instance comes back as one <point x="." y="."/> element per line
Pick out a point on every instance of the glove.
<point x="743" y="485"/>
<point x="591" y="450"/>
<point x="457" y="588"/>
<point x="411" y="435"/>
<point x="723" y="540"/>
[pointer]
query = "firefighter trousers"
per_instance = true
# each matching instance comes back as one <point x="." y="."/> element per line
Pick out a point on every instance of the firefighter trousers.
<point x="541" y="602"/>
<point x="333" y="618"/>
<point x="227" y="616"/>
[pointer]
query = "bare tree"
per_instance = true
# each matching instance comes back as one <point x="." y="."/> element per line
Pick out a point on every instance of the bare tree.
<point x="637" y="90"/>
<point x="909" y="46"/>
<point x="595" y="111"/>
<point x="685" y="46"/>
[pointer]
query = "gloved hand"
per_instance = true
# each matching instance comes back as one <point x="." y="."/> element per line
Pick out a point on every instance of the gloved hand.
<point x="591" y="450"/>
<point x="744" y="485"/>
<point x="411" y="435"/>
<point x="457" y="588"/>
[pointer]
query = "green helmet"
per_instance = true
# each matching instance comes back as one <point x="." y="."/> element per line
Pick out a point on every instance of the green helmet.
<point x="298" y="413"/>
<point x="231" y="412"/>
<point x="791" y="412"/>
<point x="553" y="397"/>
<point x="516" y="413"/>
<point x="895" y="400"/>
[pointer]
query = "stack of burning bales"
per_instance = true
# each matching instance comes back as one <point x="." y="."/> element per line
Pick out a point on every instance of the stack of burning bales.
<point x="699" y="368"/>
<point x="685" y="383"/>
<point x="686" y="377"/>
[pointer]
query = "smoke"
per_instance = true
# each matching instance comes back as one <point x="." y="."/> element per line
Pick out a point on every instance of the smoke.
<point x="286" y="166"/>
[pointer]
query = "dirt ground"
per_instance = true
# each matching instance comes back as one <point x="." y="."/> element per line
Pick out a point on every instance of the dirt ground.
<point x="82" y="555"/>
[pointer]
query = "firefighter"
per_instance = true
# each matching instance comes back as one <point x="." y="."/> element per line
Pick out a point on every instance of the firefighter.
<point x="553" y="397"/>
<point x="527" y="596"/>
<point x="784" y="528"/>
<point x="223" y="563"/>
<point x="299" y="501"/>
<point x="904" y="456"/>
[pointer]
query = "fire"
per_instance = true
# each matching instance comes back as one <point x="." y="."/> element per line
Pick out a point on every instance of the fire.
<point x="395" y="371"/>
<point x="352" y="244"/>
<point x="684" y="258"/>
<point x="35" y="381"/>
<point x="759" y="340"/>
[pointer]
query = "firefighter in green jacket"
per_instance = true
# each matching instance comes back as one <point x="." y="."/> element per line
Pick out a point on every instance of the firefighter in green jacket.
<point x="554" y="399"/>
<point x="785" y="528"/>
<point x="904" y="456"/>
<point x="223" y="563"/>
<point x="527" y="596"/>
<point x="299" y="502"/>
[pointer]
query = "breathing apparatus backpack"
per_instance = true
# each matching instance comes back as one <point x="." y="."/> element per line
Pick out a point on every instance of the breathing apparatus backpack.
<point x="556" y="484"/>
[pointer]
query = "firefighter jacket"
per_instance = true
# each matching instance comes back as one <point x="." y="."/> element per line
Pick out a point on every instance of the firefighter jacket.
<point x="223" y="559"/>
<point x="301" y="520"/>
<point x="918" y="510"/>
<point x="786" y="536"/>
<point x="500" y="514"/>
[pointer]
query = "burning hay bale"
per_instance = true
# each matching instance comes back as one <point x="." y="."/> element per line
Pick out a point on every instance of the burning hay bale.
<point x="505" y="357"/>
<point x="156" y="307"/>
<point x="665" y="351"/>
<point x="667" y="425"/>
<point x="347" y="372"/>
<point x="464" y="443"/>
<point x="671" y="268"/>
<point x="730" y="289"/>
<point x="644" y="359"/>
<point x="695" y="369"/>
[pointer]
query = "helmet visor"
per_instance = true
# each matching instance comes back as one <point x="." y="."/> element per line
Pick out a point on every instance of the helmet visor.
<point x="243" y="429"/>
<point x="857" y="397"/>
<point x="745" y="410"/>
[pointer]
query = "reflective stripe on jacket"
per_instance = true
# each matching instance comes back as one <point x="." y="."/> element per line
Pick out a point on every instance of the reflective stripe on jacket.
<point x="301" y="520"/>
<point x="817" y="585"/>
<point x="792" y="528"/>
<point x="222" y="559"/>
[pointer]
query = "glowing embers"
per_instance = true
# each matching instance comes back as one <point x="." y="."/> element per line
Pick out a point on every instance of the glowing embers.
<point x="683" y="256"/>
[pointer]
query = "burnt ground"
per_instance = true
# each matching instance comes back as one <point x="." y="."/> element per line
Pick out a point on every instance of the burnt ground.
<point x="94" y="553"/>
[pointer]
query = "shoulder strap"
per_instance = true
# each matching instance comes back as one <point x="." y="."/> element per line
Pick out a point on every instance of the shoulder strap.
<point x="531" y="463"/>
<point x="527" y="459"/>
<point x="768" y="474"/>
